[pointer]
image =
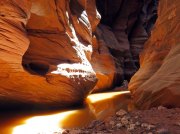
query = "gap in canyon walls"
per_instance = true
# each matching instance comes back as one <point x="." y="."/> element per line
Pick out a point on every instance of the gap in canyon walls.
<point x="123" y="30"/>
<point x="68" y="51"/>
<point x="125" y="26"/>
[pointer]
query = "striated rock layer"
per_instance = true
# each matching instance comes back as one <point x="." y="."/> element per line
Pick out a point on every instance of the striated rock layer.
<point x="45" y="49"/>
<point x="54" y="53"/>
<point x="158" y="80"/>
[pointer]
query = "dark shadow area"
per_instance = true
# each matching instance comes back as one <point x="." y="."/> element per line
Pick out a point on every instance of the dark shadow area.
<point x="16" y="107"/>
<point x="37" y="68"/>
<point x="131" y="22"/>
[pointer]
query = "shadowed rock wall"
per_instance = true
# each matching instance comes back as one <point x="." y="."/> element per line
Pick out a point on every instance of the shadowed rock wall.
<point x="157" y="82"/>
<point x="124" y="28"/>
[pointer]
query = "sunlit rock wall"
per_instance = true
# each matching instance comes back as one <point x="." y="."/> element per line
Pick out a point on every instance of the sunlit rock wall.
<point x="45" y="49"/>
<point x="55" y="52"/>
<point x="157" y="82"/>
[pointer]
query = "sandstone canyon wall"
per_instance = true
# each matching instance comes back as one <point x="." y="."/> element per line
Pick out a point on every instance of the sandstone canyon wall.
<point x="45" y="49"/>
<point x="53" y="53"/>
<point x="157" y="82"/>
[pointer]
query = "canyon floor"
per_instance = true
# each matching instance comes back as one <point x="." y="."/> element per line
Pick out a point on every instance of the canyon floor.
<point x="160" y="120"/>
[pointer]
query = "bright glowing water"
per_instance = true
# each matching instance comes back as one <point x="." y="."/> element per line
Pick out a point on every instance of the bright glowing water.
<point x="98" y="106"/>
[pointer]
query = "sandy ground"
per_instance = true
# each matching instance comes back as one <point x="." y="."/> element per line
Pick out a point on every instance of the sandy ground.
<point x="158" y="120"/>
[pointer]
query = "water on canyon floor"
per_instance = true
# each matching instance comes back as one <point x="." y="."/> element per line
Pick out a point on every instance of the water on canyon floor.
<point x="98" y="106"/>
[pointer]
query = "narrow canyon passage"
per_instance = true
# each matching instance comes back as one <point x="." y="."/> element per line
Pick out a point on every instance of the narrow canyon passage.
<point x="69" y="49"/>
<point x="66" y="63"/>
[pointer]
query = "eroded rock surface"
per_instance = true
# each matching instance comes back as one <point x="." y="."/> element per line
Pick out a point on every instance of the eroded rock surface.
<point x="55" y="52"/>
<point x="158" y="80"/>
<point x="53" y="42"/>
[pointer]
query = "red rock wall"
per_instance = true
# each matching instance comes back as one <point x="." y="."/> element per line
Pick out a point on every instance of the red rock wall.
<point x="157" y="82"/>
<point x="45" y="49"/>
<point x="52" y="53"/>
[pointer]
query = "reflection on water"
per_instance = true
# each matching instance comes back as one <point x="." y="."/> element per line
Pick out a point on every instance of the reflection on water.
<point x="98" y="106"/>
<point x="42" y="124"/>
<point x="106" y="104"/>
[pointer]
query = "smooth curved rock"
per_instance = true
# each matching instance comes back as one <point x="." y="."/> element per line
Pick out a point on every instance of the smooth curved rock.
<point x="102" y="61"/>
<point x="54" y="48"/>
<point x="53" y="54"/>
<point x="158" y="80"/>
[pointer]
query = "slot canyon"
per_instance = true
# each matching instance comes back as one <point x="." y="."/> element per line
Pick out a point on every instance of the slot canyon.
<point x="89" y="66"/>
